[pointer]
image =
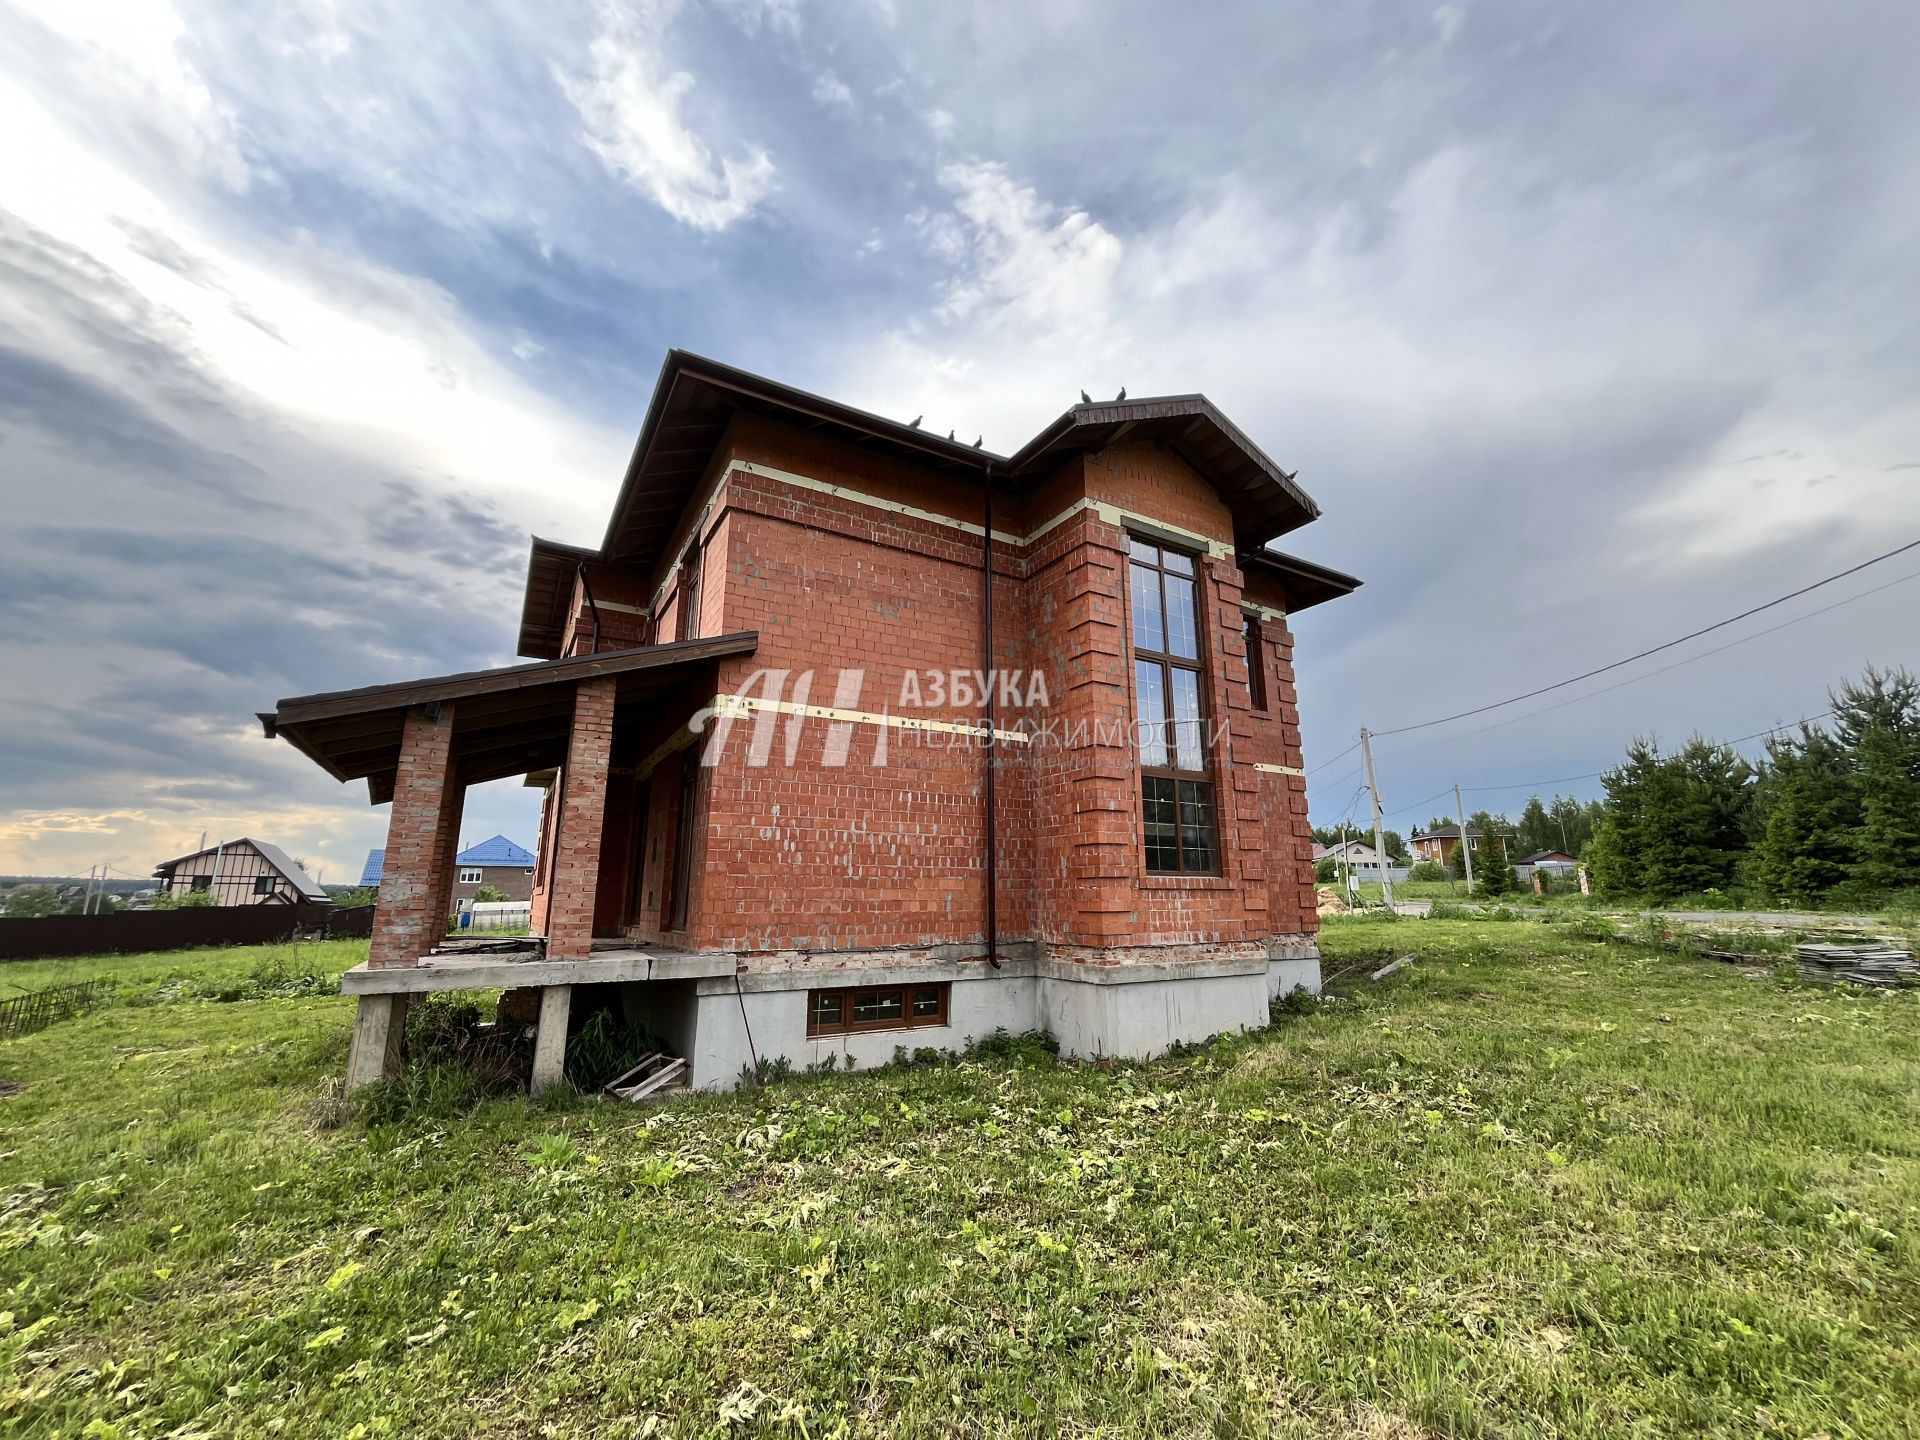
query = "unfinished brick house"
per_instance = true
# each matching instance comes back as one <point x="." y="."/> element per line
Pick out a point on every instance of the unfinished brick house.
<point x="815" y="788"/>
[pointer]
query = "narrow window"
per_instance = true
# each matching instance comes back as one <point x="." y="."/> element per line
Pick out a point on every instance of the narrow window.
<point x="1176" y="795"/>
<point x="683" y="844"/>
<point x="853" y="1009"/>
<point x="690" y="594"/>
<point x="1256" y="663"/>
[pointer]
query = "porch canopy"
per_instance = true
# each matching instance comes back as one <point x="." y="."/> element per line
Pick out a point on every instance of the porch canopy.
<point x="508" y="721"/>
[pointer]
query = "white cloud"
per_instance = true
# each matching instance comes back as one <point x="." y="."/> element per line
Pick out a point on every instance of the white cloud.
<point x="1447" y="20"/>
<point x="1023" y="263"/>
<point x="129" y="56"/>
<point x="632" y="104"/>
<point x="941" y="123"/>
<point x="830" y="91"/>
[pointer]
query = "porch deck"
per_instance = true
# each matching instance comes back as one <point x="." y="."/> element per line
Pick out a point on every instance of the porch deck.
<point x="470" y="968"/>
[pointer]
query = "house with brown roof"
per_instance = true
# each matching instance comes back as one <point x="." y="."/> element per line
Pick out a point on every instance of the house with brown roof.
<point x="241" y="872"/>
<point x="851" y="737"/>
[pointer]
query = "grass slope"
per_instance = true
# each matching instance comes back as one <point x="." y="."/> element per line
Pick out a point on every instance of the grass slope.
<point x="1530" y="1186"/>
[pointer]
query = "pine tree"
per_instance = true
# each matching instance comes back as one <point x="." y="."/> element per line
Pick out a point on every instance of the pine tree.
<point x="1878" y="722"/>
<point x="1492" y="869"/>
<point x="1810" y="806"/>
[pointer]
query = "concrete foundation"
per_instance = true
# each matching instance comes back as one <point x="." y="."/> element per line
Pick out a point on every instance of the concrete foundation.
<point x="550" y="1040"/>
<point x="379" y="1039"/>
<point x="722" y="1018"/>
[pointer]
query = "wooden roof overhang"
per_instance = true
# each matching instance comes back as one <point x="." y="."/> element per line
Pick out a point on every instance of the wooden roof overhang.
<point x="1265" y="500"/>
<point x="1306" y="583"/>
<point x="551" y="568"/>
<point x="507" y="721"/>
<point x="696" y="399"/>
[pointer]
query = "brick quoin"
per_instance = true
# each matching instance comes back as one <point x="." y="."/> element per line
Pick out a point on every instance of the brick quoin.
<point x="411" y="915"/>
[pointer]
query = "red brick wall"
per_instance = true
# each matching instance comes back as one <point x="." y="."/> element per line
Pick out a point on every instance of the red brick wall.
<point x="861" y="855"/>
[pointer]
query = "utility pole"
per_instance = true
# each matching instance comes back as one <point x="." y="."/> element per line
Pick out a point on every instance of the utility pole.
<point x="86" y="905"/>
<point x="1379" y="835"/>
<point x="1466" y="850"/>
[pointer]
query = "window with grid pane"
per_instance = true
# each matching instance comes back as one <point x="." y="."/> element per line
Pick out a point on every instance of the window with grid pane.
<point x="1176" y="795"/>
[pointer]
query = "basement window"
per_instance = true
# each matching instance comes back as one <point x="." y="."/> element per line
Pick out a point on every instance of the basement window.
<point x="853" y="1009"/>
<point x="470" y="875"/>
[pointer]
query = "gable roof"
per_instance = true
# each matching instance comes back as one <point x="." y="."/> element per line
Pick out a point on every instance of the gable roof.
<point x="375" y="867"/>
<point x="695" y="399"/>
<point x="496" y="851"/>
<point x="274" y="856"/>
<point x="1540" y="855"/>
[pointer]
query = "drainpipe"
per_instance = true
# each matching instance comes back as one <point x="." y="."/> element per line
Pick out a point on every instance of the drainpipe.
<point x="993" y="759"/>
<point x="586" y="588"/>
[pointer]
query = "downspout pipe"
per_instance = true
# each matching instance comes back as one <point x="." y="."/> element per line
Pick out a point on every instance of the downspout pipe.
<point x="993" y="758"/>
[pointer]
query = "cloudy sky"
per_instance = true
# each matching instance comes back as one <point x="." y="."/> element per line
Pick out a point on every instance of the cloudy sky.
<point x="1582" y="328"/>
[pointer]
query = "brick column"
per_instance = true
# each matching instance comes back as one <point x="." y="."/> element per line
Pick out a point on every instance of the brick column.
<point x="453" y="806"/>
<point x="580" y="815"/>
<point x="406" y="923"/>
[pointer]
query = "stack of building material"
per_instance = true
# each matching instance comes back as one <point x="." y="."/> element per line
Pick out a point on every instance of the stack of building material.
<point x="1878" y="963"/>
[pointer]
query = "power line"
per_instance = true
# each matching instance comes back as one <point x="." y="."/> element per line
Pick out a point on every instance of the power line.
<point x="1341" y="756"/>
<point x="1657" y="649"/>
<point x="1596" y="774"/>
<point x="1662" y="670"/>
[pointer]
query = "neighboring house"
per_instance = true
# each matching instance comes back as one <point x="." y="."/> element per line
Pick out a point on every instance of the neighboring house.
<point x="241" y="872"/>
<point x="814" y="791"/>
<point x="1441" y="843"/>
<point x="498" y="862"/>
<point x="1352" y="852"/>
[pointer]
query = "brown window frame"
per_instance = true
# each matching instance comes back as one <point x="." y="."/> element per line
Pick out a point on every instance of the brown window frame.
<point x="1168" y="662"/>
<point x="907" y="1020"/>
<point x="1254" y="633"/>
<point x="690" y="594"/>
<point x="265" y="885"/>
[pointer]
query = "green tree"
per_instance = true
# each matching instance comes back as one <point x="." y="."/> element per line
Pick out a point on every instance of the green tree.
<point x="1492" y="869"/>
<point x="30" y="901"/>
<point x="1809" y="809"/>
<point x="1877" y="720"/>
<point x="489" y="895"/>
<point x="1536" y="830"/>
<point x="1674" y="823"/>
<point x="1396" y="846"/>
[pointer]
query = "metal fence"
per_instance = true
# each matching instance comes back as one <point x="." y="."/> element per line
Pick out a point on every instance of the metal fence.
<point x="37" y="1009"/>
<point x="133" y="931"/>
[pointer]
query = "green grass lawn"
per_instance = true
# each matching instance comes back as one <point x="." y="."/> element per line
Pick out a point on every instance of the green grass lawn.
<point x="1529" y="1186"/>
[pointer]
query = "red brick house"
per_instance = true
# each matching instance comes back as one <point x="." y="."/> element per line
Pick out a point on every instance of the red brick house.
<point x="814" y="787"/>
